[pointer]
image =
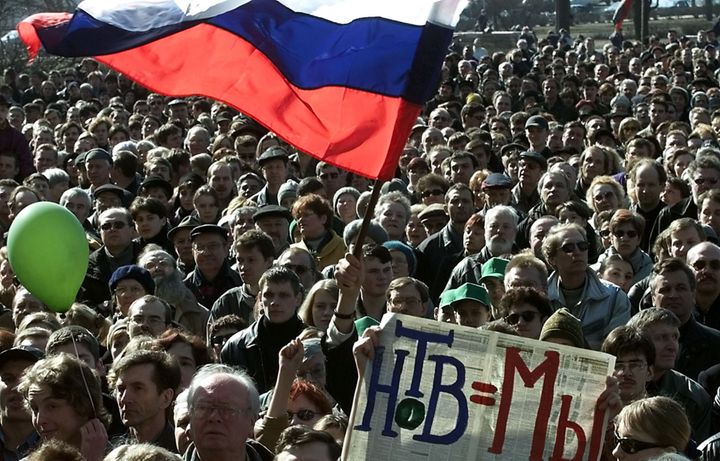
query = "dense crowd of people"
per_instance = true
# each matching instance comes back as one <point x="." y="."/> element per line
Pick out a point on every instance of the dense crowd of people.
<point x="558" y="192"/>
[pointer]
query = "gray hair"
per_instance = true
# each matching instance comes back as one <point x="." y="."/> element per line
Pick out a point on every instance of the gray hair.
<point x="393" y="197"/>
<point x="218" y="369"/>
<point x="150" y="252"/>
<point x="75" y="192"/>
<point x="647" y="318"/>
<point x="552" y="173"/>
<point x="502" y="210"/>
<point x="130" y="146"/>
<point x="55" y="176"/>
<point x="551" y="243"/>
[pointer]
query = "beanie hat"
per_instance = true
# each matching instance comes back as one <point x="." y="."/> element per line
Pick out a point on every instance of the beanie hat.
<point x="140" y="274"/>
<point x="406" y="250"/>
<point x="565" y="325"/>
<point x="375" y="232"/>
<point x="342" y="191"/>
<point x="288" y="189"/>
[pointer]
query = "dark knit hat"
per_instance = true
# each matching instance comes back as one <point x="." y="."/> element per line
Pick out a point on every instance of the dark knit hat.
<point x="135" y="272"/>
<point x="564" y="325"/>
<point x="406" y="250"/>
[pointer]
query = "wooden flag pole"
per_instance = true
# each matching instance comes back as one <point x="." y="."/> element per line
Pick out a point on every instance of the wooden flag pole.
<point x="369" y="213"/>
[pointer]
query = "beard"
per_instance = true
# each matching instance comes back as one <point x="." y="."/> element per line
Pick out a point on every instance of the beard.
<point x="499" y="246"/>
<point x="171" y="287"/>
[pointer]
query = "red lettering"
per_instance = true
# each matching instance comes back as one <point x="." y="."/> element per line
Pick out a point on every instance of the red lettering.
<point x="563" y="425"/>
<point x="547" y="370"/>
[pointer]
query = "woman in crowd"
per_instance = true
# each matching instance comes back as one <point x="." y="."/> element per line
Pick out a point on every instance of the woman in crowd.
<point x="651" y="427"/>
<point x="320" y="301"/>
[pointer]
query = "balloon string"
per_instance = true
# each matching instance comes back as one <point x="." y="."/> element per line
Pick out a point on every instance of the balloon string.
<point x="82" y="373"/>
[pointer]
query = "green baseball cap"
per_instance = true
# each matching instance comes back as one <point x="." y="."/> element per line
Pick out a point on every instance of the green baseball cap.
<point x="446" y="298"/>
<point x="471" y="291"/>
<point x="494" y="267"/>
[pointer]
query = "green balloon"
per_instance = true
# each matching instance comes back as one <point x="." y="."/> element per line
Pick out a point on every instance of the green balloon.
<point x="48" y="252"/>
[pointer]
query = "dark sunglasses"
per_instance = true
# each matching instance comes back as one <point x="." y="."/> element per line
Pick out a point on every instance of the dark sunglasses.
<point x="432" y="193"/>
<point x="117" y="225"/>
<point x="632" y="446"/>
<point x="631" y="234"/>
<point x="570" y="247"/>
<point x="303" y="415"/>
<point x="297" y="268"/>
<point x="700" y="265"/>
<point x="527" y="316"/>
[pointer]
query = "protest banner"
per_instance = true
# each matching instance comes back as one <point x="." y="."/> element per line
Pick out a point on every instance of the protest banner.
<point x="445" y="392"/>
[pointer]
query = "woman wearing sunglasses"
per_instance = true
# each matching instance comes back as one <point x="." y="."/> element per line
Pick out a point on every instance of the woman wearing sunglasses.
<point x="626" y="231"/>
<point x="651" y="427"/>
<point x="601" y="306"/>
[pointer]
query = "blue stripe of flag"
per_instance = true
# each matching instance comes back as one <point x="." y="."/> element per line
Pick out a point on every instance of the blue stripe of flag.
<point x="370" y="54"/>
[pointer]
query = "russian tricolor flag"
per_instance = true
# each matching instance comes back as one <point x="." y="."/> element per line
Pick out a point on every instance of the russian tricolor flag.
<point x="342" y="80"/>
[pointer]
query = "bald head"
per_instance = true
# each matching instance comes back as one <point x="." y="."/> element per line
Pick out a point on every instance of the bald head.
<point x="704" y="260"/>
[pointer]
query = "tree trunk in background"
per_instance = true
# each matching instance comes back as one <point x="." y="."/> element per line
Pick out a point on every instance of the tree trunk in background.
<point x="562" y="15"/>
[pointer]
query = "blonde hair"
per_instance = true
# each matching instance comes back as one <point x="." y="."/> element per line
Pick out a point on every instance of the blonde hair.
<point x="305" y="311"/>
<point x="604" y="181"/>
<point x="662" y="418"/>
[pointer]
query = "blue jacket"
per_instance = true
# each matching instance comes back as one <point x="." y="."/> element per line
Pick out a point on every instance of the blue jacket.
<point x="602" y="307"/>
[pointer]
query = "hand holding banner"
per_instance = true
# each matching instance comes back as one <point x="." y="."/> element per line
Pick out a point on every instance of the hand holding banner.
<point x="446" y="392"/>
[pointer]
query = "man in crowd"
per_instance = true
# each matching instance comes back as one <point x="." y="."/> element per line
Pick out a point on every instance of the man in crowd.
<point x="662" y="327"/>
<point x="212" y="275"/>
<point x="145" y="384"/>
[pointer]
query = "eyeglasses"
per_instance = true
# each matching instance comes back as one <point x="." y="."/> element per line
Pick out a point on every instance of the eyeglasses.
<point x="632" y="365"/>
<point x="570" y="247"/>
<point x="527" y="316"/>
<point x="117" y="225"/>
<point x="632" y="446"/>
<point x="605" y="233"/>
<point x="303" y="415"/>
<point x="606" y="196"/>
<point x="700" y="265"/>
<point x="432" y="193"/>
<point x="299" y="269"/>
<point x="204" y="410"/>
<point x="631" y="234"/>
<point x="708" y="181"/>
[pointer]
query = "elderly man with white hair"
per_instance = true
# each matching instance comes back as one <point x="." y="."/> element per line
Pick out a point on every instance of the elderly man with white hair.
<point x="170" y="287"/>
<point x="500" y="231"/>
<point x="224" y="406"/>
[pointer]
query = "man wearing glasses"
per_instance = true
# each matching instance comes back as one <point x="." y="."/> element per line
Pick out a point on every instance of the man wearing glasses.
<point x="704" y="173"/>
<point x="704" y="260"/>
<point x="224" y="404"/>
<point x="149" y="316"/>
<point x="212" y="275"/>
<point x="600" y="306"/>
<point x="116" y="233"/>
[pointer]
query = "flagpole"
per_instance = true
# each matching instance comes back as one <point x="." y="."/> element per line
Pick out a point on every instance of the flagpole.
<point x="369" y="213"/>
